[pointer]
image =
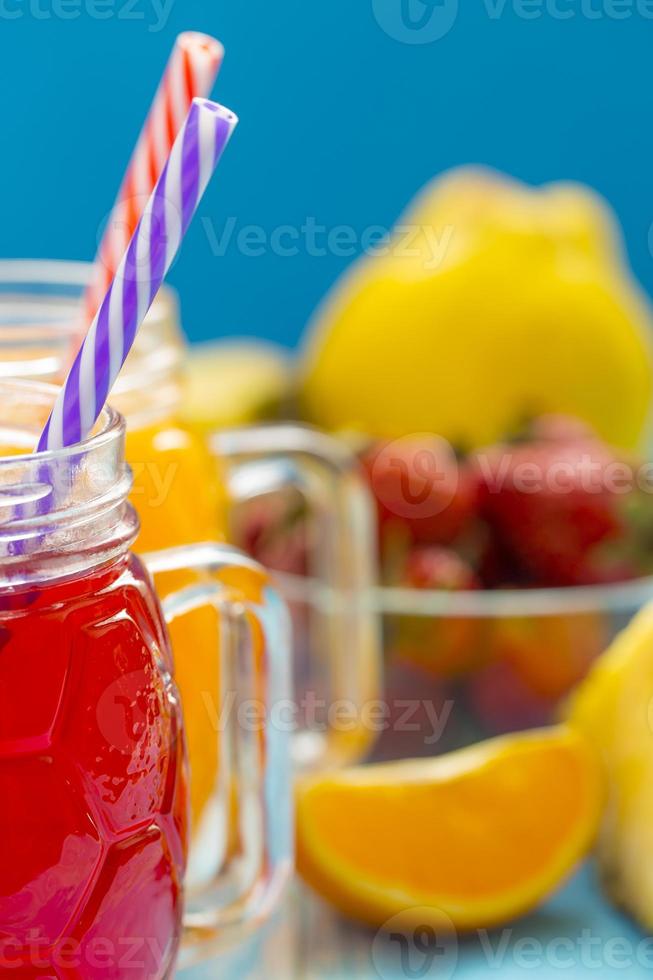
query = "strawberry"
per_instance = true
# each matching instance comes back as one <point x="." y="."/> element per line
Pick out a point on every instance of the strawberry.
<point x="438" y="568"/>
<point x="443" y="645"/>
<point x="275" y="531"/>
<point x="566" y="509"/>
<point x="421" y="487"/>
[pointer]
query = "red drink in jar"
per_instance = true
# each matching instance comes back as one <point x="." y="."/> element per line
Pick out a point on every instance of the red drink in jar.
<point x="91" y="779"/>
<point x="93" y="796"/>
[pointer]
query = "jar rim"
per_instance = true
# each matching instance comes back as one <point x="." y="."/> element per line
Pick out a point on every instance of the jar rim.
<point x="66" y="272"/>
<point x="40" y="316"/>
<point x="110" y="425"/>
<point x="62" y="511"/>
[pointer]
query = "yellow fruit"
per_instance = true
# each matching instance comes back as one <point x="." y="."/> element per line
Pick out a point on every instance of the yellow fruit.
<point x="475" y="837"/>
<point x="234" y="383"/>
<point x="478" y="203"/>
<point x="496" y="301"/>
<point x="613" y="707"/>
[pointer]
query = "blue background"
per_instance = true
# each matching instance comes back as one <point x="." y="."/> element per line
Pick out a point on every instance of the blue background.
<point x="340" y="121"/>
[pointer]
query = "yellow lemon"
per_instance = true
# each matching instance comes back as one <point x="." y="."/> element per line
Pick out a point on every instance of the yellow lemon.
<point x="492" y="302"/>
<point x="613" y="707"/>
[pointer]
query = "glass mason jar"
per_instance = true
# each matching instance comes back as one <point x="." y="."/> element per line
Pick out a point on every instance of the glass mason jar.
<point x="94" y="822"/>
<point x="182" y="496"/>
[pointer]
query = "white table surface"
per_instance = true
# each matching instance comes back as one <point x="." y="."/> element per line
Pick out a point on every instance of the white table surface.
<point x="576" y="934"/>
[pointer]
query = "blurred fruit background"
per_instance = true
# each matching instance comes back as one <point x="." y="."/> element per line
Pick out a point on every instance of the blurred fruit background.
<point x="499" y="403"/>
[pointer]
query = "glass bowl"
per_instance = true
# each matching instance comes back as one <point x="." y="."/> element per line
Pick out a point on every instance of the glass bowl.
<point x="463" y="666"/>
<point x="457" y="666"/>
<point x="460" y="667"/>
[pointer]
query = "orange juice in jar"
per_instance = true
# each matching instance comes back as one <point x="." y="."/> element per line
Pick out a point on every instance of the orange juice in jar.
<point x="179" y="499"/>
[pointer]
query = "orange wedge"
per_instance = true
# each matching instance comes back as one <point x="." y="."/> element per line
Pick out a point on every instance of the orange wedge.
<point x="473" y="838"/>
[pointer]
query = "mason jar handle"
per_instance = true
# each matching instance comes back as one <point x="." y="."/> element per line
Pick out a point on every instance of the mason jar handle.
<point x="264" y="459"/>
<point x="255" y="773"/>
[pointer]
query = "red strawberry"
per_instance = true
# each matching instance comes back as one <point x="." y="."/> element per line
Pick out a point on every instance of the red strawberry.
<point x="559" y="508"/>
<point x="274" y="530"/>
<point x="419" y="484"/>
<point x="444" y="645"/>
<point x="438" y="568"/>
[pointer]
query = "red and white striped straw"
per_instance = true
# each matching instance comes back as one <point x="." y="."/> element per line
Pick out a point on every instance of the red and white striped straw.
<point x="190" y="73"/>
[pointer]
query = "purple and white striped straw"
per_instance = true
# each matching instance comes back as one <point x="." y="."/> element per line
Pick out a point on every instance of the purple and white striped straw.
<point x="150" y="253"/>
